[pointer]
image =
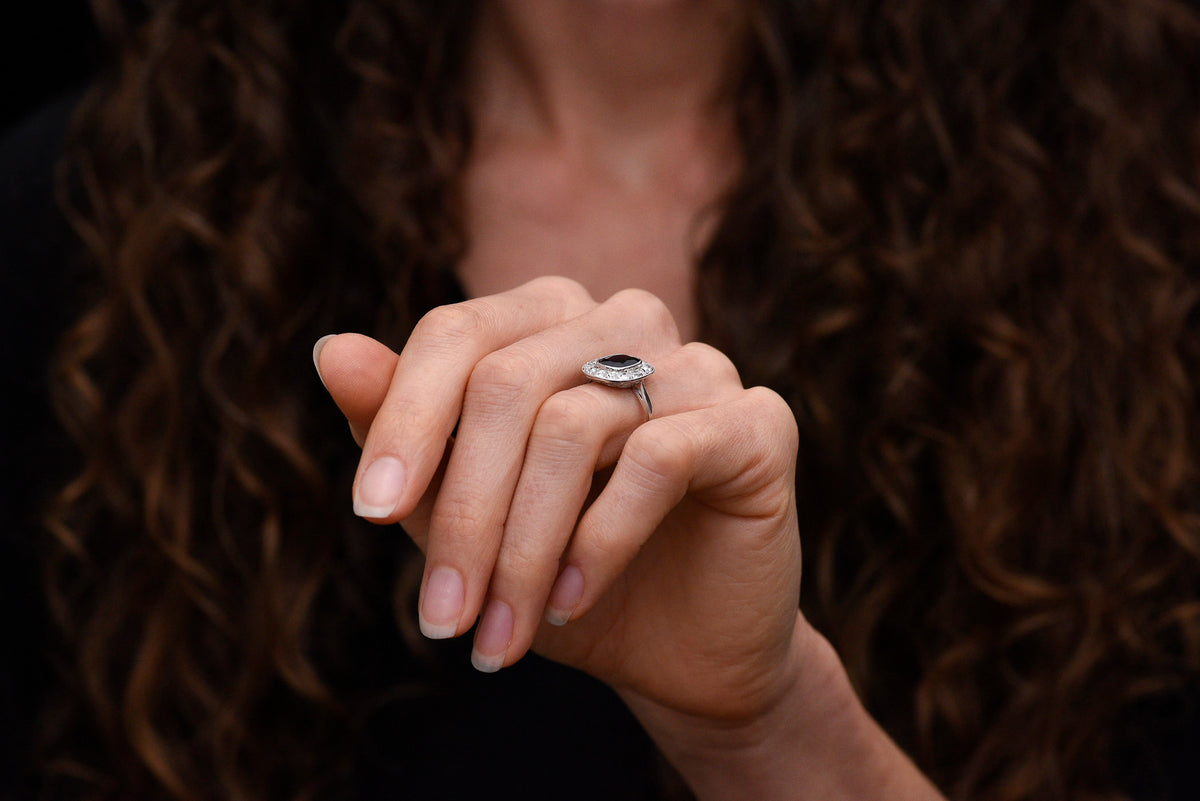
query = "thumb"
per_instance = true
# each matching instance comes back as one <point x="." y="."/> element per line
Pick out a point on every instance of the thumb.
<point x="356" y="371"/>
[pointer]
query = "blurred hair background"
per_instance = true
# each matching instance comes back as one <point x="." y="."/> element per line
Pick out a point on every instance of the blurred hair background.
<point x="51" y="50"/>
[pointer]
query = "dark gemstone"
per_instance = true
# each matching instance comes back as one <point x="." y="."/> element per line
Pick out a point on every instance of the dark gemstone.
<point x="619" y="361"/>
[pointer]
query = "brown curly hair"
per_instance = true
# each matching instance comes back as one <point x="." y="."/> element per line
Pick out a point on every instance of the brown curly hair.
<point x="965" y="245"/>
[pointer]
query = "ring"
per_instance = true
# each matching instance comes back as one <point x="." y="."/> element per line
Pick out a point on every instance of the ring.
<point x="622" y="371"/>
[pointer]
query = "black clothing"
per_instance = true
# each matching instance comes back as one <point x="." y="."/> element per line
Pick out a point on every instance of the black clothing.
<point x="536" y="730"/>
<point x="33" y="285"/>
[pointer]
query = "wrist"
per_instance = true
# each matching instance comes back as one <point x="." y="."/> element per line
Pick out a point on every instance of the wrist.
<point x="738" y="751"/>
<point x="813" y="739"/>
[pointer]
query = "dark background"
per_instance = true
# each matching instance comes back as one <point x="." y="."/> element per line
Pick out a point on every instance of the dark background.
<point x="47" y="48"/>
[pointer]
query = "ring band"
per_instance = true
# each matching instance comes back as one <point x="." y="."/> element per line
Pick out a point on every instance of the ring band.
<point x="622" y="371"/>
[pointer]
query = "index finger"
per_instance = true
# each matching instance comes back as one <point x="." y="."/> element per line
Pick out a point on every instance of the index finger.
<point x="408" y="435"/>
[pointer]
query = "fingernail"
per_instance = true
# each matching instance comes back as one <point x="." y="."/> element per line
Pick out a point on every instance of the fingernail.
<point x="317" y="354"/>
<point x="379" y="489"/>
<point x="565" y="596"/>
<point x="493" y="637"/>
<point x="441" y="603"/>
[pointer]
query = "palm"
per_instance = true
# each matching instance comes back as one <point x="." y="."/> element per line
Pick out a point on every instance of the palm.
<point x="695" y="617"/>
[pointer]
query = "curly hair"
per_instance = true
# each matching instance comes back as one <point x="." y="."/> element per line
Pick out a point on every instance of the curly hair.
<point x="965" y="245"/>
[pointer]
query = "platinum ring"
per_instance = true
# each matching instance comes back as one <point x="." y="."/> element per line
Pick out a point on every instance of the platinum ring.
<point x="622" y="371"/>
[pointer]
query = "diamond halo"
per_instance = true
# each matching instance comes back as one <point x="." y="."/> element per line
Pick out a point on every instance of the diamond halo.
<point x="618" y="370"/>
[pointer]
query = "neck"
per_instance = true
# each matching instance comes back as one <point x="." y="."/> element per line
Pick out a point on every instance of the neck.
<point x="603" y="71"/>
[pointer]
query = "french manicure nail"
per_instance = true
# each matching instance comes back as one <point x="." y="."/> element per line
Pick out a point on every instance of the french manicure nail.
<point x="317" y="354"/>
<point x="565" y="596"/>
<point x="379" y="489"/>
<point x="493" y="637"/>
<point x="441" y="603"/>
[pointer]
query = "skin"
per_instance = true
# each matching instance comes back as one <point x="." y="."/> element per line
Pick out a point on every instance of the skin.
<point x="661" y="556"/>
<point x="602" y="131"/>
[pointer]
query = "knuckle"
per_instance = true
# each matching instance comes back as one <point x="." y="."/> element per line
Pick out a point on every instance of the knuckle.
<point x="500" y="379"/>
<point x="518" y="561"/>
<point x="401" y="413"/>
<point x="561" y="286"/>
<point x="460" y="518"/>
<point x="649" y="308"/>
<point x="704" y="358"/>
<point x="457" y="322"/>
<point x="658" y="452"/>
<point x="564" y="419"/>
<point x="774" y="417"/>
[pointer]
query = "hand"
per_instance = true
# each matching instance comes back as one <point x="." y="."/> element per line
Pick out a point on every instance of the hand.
<point x="665" y="549"/>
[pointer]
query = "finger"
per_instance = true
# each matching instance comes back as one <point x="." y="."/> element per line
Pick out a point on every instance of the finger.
<point x="500" y="402"/>
<point x="407" y="436"/>
<point x="576" y="432"/>
<point x="356" y="370"/>
<point x="738" y="458"/>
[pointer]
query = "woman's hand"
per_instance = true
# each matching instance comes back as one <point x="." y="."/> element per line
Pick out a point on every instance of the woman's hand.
<point x="665" y="550"/>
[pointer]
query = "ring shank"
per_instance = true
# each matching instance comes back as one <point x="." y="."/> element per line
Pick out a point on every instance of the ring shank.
<point x="639" y="389"/>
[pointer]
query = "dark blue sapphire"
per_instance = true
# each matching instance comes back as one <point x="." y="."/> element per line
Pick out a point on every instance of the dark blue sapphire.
<point x="619" y="361"/>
